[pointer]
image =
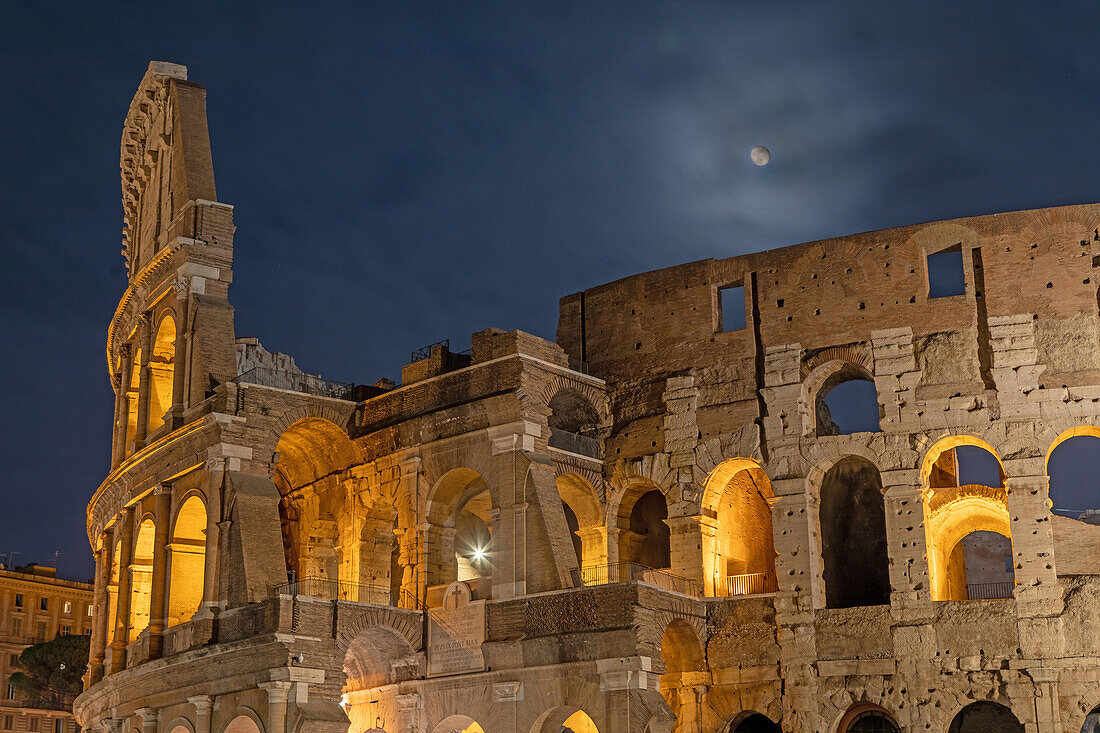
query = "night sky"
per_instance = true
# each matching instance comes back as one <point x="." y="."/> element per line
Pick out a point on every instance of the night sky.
<point x="404" y="173"/>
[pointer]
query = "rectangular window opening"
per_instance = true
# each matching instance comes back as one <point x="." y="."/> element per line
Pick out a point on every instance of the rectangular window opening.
<point x="18" y="600"/>
<point x="731" y="301"/>
<point x="945" y="273"/>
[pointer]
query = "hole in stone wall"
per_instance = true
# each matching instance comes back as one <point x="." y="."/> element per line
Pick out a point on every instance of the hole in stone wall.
<point x="976" y="465"/>
<point x="945" y="273"/>
<point x="731" y="300"/>
<point x="853" y="535"/>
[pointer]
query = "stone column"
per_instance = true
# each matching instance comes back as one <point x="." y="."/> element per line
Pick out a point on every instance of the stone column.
<point x="623" y="683"/>
<point x="179" y="388"/>
<point x="277" y="695"/>
<point x="121" y="633"/>
<point x="120" y="391"/>
<point x="118" y="454"/>
<point x="145" y="337"/>
<point x="506" y="699"/>
<point x="203" y="705"/>
<point x="1048" y="716"/>
<point x="149" y="719"/>
<point x="100" y="614"/>
<point x="687" y="538"/>
<point x="158" y="594"/>
<point x="905" y="539"/>
<point x="213" y="531"/>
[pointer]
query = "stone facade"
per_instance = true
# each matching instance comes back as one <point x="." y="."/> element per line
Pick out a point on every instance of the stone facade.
<point x="651" y="525"/>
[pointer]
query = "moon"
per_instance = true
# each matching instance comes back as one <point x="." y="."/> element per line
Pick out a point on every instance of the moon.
<point x="760" y="155"/>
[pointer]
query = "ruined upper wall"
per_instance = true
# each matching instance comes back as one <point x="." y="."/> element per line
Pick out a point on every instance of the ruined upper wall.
<point x="836" y="292"/>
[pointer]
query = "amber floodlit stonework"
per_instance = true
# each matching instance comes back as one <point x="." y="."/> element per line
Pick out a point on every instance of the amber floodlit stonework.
<point x="654" y="524"/>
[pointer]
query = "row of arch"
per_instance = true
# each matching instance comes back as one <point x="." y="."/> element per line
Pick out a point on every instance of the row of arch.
<point x="185" y="556"/>
<point x="967" y="523"/>
<point x="151" y="398"/>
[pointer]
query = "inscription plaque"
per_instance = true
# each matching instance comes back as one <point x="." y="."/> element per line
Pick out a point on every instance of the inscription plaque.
<point x="455" y="633"/>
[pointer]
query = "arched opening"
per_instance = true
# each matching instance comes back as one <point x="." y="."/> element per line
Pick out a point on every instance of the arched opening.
<point x="574" y="424"/>
<point x="584" y="519"/>
<point x="458" y="724"/>
<point x="132" y="394"/>
<point x="187" y="560"/>
<point x="1092" y="721"/>
<point x="1074" y="469"/>
<point x="308" y="453"/>
<point x="736" y="495"/>
<point x="141" y="578"/>
<point x="564" y="719"/>
<point x="378" y="655"/>
<point x="459" y="536"/>
<point x="754" y="723"/>
<point x="161" y="362"/>
<point x="847" y="402"/>
<point x="983" y="717"/>
<point x="853" y="535"/>
<point x="685" y="670"/>
<point x="646" y="540"/>
<point x="868" y="718"/>
<point x="243" y="724"/>
<point x="967" y="525"/>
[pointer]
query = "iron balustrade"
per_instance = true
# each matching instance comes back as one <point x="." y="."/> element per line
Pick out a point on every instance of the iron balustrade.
<point x="425" y="351"/>
<point x="751" y="584"/>
<point x="990" y="591"/>
<point x="626" y="572"/>
<point x="296" y="382"/>
<point x="582" y="445"/>
<point x="345" y="590"/>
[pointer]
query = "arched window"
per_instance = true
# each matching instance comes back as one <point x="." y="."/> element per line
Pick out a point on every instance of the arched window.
<point x="243" y="724"/>
<point x="584" y="521"/>
<point x="458" y="724"/>
<point x="141" y="578"/>
<point x="847" y="402"/>
<point x="132" y="392"/>
<point x="737" y="492"/>
<point x="574" y="424"/>
<point x="187" y="561"/>
<point x="648" y="540"/>
<point x="1074" y="470"/>
<point x="1092" y="721"/>
<point x="460" y="528"/>
<point x="853" y="535"/>
<point x="967" y="522"/>
<point x="867" y="718"/>
<point x="985" y="716"/>
<point x="564" y="719"/>
<point x="161" y="366"/>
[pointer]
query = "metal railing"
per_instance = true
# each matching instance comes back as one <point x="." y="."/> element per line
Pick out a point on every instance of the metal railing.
<point x="990" y="591"/>
<point x="296" y="382"/>
<point x="625" y="572"/>
<point x="751" y="584"/>
<point x="425" y="351"/>
<point x="345" y="590"/>
<point x="582" y="445"/>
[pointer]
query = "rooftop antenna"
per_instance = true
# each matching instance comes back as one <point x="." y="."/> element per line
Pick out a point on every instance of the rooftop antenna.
<point x="11" y="558"/>
<point x="56" y="553"/>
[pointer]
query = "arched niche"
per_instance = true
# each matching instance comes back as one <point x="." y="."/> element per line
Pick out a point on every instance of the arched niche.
<point x="564" y="719"/>
<point x="644" y="537"/>
<point x="378" y="655"/>
<point x="187" y="560"/>
<point x="141" y="577"/>
<point x="584" y="519"/>
<point x="458" y="724"/>
<point x="684" y="669"/>
<point x="854" y="552"/>
<point x="736" y="496"/>
<point x="161" y="367"/>
<point x="985" y="716"/>
<point x="459" y="542"/>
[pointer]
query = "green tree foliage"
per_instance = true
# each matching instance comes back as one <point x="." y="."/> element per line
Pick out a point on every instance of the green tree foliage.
<point x="50" y="673"/>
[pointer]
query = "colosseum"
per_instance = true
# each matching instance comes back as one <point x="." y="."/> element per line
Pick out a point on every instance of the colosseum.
<point x="657" y="523"/>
